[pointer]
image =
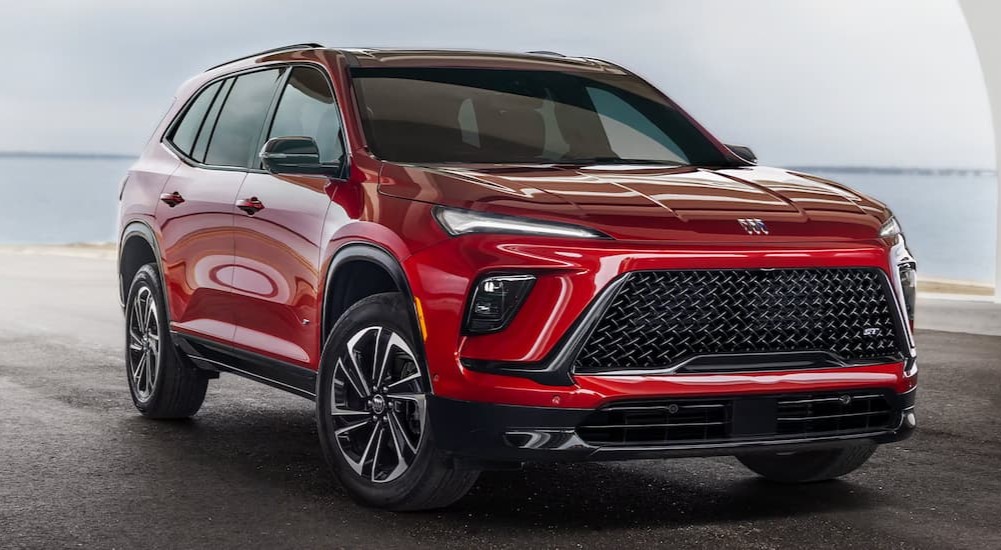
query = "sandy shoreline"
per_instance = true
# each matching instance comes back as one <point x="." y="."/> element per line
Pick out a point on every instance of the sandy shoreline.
<point x="103" y="251"/>
<point x="107" y="251"/>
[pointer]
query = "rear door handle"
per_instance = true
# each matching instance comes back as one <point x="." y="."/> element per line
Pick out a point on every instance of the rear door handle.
<point x="251" y="206"/>
<point x="172" y="199"/>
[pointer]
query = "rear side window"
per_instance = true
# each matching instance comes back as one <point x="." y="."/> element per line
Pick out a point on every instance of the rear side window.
<point x="186" y="132"/>
<point x="238" y="128"/>
<point x="307" y="108"/>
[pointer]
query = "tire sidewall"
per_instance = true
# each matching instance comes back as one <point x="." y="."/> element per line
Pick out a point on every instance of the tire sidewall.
<point x="388" y="310"/>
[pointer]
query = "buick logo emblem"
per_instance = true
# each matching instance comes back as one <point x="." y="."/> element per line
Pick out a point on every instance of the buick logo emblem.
<point x="753" y="226"/>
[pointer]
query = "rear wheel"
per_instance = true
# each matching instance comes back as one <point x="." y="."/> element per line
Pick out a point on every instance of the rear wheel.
<point x="808" y="466"/>
<point x="372" y="413"/>
<point x="160" y="384"/>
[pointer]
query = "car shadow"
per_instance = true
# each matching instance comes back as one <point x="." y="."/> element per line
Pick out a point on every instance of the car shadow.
<point x="278" y="448"/>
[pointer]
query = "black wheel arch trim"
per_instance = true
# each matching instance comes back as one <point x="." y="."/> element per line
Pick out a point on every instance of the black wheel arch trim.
<point x="141" y="229"/>
<point x="365" y="251"/>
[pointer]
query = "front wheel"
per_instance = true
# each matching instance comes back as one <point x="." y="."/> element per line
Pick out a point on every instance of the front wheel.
<point x="808" y="466"/>
<point x="372" y="413"/>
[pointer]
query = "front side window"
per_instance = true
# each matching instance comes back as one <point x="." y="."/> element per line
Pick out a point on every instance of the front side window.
<point x="456" y="115"/>
<point x="234" y="139"/>
<point x="307" y="108"/>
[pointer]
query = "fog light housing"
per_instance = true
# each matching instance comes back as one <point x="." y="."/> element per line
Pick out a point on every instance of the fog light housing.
<point x="909" y="282"/>
<point x="495" y="300"/>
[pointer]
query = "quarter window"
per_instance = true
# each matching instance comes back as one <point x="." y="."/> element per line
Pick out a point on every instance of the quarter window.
<point x="186" y="131"/>
<point x="202" y="142"/>
<point x="307" y="108"/>
<point x="238" y="128"/>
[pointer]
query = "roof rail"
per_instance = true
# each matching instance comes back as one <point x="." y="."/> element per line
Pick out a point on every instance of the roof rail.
<point x="302" y="46"/>
<point x="546" y="52"/>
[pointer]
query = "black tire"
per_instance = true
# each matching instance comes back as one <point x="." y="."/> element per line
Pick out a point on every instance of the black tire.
<point x="428" y="480"/>
<point x="808" y="466"/>
<point x="175" y="390"/>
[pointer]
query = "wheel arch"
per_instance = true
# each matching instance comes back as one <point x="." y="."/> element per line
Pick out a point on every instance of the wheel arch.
<point x="358" y="270"/>
<point x="138" y="246"/>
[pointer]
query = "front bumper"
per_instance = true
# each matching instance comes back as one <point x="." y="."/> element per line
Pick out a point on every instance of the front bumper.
<point x="523" y="364"/>
<point x="491" y="434"/>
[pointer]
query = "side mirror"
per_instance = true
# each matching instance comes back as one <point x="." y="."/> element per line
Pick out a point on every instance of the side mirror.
<point x="295" y="155"/>
<point x="744" y="152"/>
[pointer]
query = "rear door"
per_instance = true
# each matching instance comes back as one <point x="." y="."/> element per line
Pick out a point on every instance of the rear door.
<point x="215" y="138"/>
<point x="277" y="274"/>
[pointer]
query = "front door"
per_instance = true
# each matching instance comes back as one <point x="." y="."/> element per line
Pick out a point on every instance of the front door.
<point x="279" y="228"/>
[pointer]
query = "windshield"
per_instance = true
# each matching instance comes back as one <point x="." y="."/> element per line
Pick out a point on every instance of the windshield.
<point x="450" y="115"/>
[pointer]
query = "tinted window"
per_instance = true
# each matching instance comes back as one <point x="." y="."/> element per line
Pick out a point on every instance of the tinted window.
<point x="630" y="134"/>
<point x="307" y="108"/>
<point x="202" y="141"/>
<point x="187" y="130"/>
<point x="241" y="120"/>
<point x="501" y="115"/>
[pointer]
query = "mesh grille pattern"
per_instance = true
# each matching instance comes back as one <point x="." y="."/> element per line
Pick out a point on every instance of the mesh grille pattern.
<point x="659" y="318"/>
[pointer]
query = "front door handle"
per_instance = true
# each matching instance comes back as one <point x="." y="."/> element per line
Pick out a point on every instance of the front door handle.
<point x="172" y="199"/>
<point x="251" y="206"/>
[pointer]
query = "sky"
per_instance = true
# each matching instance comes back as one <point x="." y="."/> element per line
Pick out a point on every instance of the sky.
<point x="847" y="82"/>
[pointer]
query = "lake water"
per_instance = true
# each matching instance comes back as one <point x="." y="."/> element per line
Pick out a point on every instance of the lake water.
<point x="949" y="220"/>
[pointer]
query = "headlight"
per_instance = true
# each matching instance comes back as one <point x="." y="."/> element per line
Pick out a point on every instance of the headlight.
<point x="890" y="228"/>
<point x="460" y="222"/>
<point x="909" y="284"/>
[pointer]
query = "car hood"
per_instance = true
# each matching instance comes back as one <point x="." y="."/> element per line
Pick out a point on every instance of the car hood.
<point x="652" y="203"/>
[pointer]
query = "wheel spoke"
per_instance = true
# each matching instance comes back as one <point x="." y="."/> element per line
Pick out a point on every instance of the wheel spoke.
<point x="360" y="389"/>
<point x="360" y="466"/>
<point x="138" y="371"/>
<point x="142" y="308"/>
<point x="348" y="412"/>
<point x="352" y="427"/>
<point x="135" y="341"/>
<point x="147" y="377"/>
<point x="377" y="452"/>
<point x="380" y="359"/>
<point x="152" y="368"/>
<point x="150" y="312"/>
<point x="362" y="380"/>
<point x="412" y="378"/>
<point x="420" y="401"/>
<point x="399" y="434"/>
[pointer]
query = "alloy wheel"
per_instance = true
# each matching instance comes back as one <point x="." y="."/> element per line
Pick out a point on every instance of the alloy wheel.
<point x="144" y="344"/>
<point x="378" y="406"/>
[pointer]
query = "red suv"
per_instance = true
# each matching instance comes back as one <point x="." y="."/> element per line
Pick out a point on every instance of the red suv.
<point x="473" y="260"/>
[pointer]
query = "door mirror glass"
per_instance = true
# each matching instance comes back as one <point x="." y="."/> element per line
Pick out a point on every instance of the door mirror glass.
<point x="295" y="155"/>
<point x="744" y="152"/>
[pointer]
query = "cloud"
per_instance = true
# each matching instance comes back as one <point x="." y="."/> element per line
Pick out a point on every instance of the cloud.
<point x="849" y="82"/>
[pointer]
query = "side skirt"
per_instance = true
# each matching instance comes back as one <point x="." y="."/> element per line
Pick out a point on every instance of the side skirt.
<point x="213" y="356"/>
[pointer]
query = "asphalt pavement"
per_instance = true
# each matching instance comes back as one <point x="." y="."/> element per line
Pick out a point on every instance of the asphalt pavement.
<point x="80" y="467"/>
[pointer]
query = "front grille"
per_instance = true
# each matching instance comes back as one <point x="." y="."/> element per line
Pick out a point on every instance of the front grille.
<point x="735" y="419"/>
<point x="659" y="319"/>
